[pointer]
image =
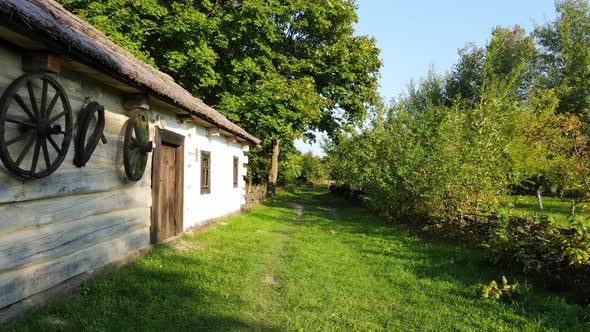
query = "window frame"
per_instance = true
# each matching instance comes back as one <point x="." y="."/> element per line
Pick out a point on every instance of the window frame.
<point x="205" y="169"/>
<point x="236" y="171"/>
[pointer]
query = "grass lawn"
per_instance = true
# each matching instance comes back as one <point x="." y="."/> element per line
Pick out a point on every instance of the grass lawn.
<point x="330" y="266"/>
<point x="552" y="206"/>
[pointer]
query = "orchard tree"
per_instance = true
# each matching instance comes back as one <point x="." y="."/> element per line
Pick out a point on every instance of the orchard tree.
<point x="575" y="174"/>
<point x="278" y="68"/>
<point x="565" y="54"/>
<point x="538" y="153"/>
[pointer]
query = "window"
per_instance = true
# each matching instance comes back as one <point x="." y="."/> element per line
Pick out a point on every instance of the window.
<point x="205" y="172"/>
<point x="236" y="168"/>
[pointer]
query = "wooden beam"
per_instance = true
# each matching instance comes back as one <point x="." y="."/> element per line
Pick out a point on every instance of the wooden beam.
<point x="136" y="101"/>
<point x="23" y="41"/>
<point x="41" y="62"/>
<point x="231" y="139"/>
<point x="21" y="283"/>
<point x="181" y="118"/>
<point x="189" y="118"/>
<point x="60" y="292"/>
<point x="98" y="76"/>
<point x="213" y="132"/>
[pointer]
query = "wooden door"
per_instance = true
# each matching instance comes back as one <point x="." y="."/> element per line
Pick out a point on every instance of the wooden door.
<point x="167" y="186"/>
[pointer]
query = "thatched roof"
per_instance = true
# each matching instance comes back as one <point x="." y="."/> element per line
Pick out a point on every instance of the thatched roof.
<point x="79" y="40"/>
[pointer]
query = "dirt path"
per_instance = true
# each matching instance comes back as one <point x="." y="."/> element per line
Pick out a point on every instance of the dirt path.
<point x="271" y="278"/>
<point x="298" y="209"/>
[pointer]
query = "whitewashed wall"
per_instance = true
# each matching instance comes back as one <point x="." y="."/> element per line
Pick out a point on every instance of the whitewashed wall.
<point x="79" y="219"/>
<point x="224" y="198"/>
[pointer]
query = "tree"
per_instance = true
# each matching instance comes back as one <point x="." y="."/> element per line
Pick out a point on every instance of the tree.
<point x="566" y="55"/>
<point x="445" y="150"/>
<point x="277" y="68"/>
<point x="466" y="78"/>
<point x="538" y="152"/>
<point x="574" y="175"/>
<point x="312" y="169"/>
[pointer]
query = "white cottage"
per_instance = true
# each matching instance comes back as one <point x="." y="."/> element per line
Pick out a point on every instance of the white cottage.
<point x="156" y="160"/>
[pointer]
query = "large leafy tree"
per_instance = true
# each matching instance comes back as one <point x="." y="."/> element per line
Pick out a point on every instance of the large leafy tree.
<point x="566" y="53"/>
<point x="465" y="81"/>
<point x="279" y="68"/>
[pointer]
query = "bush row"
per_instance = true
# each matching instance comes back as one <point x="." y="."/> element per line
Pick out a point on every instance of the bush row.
<point x="558" y="256"/>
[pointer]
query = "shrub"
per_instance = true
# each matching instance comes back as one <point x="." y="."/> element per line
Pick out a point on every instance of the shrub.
<point x="494" y="292"/>
<point x="345" y="191"/>
<point x="535" y="246"/>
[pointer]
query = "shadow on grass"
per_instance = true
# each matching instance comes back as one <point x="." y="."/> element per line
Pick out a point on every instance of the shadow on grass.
<point x="169" y="290"/>
<point x="433" y="260"/>
<point x="144" y="297"/>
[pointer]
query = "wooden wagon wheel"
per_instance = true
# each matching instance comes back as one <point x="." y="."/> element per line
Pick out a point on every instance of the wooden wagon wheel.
<point x="25" y="123"/>
<point x="85" y="149"/>
<point x="136" y="145"/>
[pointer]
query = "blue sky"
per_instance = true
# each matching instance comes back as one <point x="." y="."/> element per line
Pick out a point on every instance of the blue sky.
<point x="414" y="35"/>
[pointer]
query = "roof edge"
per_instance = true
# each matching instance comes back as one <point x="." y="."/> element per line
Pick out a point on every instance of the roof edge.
<point x="82" y="42"/>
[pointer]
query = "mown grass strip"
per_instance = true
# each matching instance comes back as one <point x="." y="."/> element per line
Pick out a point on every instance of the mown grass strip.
<point x="333" y="267"/>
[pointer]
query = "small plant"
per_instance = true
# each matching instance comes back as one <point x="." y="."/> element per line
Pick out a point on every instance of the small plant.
<point x="494" y="292"/>
<point x="577" y="247"/>
<point x="543" y="219"/>
<point x="84" y="288"/>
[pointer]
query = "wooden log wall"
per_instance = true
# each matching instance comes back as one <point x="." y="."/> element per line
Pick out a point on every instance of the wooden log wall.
<point x="77" y="219"/>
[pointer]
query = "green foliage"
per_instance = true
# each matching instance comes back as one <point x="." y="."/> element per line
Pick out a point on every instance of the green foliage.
<point x="494" y="292"/>
<point x="535" y="245"/>
<point x="566" y="54"/>
<point x="527" y="244"/>
<point x="292" y="169"/>
<point x="577" y="247"/>
<point x="431" y="160"/>
<point x="301" y="168"/>
<point x="445" y="154"/>
<point x="277" y="68"/>
<point x="558" y="210"/>
<point x="574" y="175"/>
<point x="312" y="168"/>
<point x="465" y="81"/>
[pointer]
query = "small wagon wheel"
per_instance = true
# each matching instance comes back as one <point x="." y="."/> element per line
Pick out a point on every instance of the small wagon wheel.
<point x="26" y="124"/>
<point x="136" y="145"/>
<point x="85" y="149"/>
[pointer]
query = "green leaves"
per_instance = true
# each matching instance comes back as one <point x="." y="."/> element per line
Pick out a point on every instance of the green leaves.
<point x="494" y="292"/>
<point x="131" y="24"/>
<point x="566" y="54"/>
<point x="277" y="68"/>
<point x="508" y="64"/>
<point x="454" y="144"/>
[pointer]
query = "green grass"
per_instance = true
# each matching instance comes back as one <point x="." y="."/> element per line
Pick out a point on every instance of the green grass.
<point x="553" y="207"/>
<point x="270" y="270"/>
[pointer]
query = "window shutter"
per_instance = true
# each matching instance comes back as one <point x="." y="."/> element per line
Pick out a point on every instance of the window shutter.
<point x="236" y="169"/>
<point x="205" y="172"/>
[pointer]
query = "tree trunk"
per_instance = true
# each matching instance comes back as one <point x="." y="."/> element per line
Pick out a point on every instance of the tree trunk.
<point x="273" y="172"/>
<point x="573" y="207"/>
<point x="540" y="198"/>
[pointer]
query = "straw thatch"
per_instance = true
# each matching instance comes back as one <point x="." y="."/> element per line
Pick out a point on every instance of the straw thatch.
<point x="79" y="40"/>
